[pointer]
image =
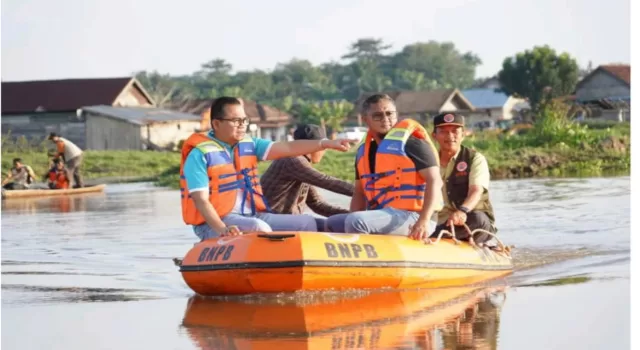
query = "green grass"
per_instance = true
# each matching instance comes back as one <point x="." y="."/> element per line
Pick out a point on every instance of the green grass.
<point x="101" y="164"/>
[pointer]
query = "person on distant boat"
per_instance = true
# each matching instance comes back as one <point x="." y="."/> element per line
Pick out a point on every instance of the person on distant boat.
<point x="397" y="187"/>
<point x="465" y="173"/>
<point x="220" y="191"/>
<point x="289" y="184"/>
<point x="72" y="156"/>
<point x="59" y="176"/>
<point x="20" y="177"/>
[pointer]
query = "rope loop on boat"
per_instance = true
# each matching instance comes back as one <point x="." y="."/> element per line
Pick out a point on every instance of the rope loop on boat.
<point x="501" y="245"/>
<point x="450" y="233"/>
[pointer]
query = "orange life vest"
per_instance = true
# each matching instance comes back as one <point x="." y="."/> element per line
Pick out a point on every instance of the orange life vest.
<point x="395" y="183"/>
<point x="225" y="178"/>
<point x="59" y="178"/>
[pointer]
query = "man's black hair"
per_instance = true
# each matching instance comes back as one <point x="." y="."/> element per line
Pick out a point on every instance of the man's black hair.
<point x="373" y="99"/>
<point x="15" y="160"/>
<point x="217" y="107"/>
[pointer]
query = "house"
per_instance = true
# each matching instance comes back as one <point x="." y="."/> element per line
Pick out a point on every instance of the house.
<point x="488" y="83"/>
<point x="605" y="93"/>
<point x="266" y="121"/>
<point x="420" y="105"/>
<point x="492" y="105"/>
<point x="35" y="108"/>
<point x="136" y="128"/>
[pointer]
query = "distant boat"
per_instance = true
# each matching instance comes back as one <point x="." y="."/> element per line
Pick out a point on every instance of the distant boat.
<point x="6" y="194"/>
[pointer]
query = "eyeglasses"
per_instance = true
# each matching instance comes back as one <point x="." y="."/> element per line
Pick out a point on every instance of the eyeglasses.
<point x="237" y="121"/>
<point x="378" y="116"/>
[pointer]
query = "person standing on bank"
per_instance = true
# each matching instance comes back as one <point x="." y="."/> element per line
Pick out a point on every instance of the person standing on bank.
<point x="71" y="155"/>
<point x="221" y="194"/>
<point x="290" y="183"/>
<point x="397" y="187"/>
<point x="466" y="176"/>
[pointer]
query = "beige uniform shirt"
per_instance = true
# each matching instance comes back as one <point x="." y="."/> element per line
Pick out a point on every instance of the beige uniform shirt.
<point x="478" y="175"/>
<point x="70" y="149"/>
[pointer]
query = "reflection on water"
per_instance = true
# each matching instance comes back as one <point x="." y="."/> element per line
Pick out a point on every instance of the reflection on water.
<point x="109" y="255"/>
<point x="59" y="204"/>
<point x="449" y="318"/>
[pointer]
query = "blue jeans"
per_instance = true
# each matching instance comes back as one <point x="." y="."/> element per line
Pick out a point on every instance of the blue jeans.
<point x="389" y="221"/>
<point x="266" y="222"/>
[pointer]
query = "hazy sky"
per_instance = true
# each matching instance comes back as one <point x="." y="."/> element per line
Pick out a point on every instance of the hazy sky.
<point x="46" y="39"/>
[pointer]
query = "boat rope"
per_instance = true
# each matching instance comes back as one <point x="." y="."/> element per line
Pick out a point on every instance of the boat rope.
<point x="501" y="246"/>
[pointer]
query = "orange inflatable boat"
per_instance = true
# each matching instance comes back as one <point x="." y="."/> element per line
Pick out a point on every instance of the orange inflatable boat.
<point x="299" y="261"/>
<point x="379" y="320"/>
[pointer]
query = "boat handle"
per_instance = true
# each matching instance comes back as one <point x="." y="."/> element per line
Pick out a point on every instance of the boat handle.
<point x="276" y="237"/>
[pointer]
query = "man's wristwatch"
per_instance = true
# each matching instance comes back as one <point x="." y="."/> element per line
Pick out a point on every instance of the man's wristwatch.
<point x="464" y="209"/>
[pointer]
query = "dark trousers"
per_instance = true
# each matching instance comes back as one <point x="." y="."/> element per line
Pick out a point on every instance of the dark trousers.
<point x="73" y="165"/>
<point x="475" y="220"/>
<point x="14" y="186"/>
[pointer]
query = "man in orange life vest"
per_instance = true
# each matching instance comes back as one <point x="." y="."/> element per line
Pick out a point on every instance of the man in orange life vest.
<point x="59" y="176"/>
<point x="397" y="187"/>
<point x="220" y="190"/>
<point x="466" y="176"/>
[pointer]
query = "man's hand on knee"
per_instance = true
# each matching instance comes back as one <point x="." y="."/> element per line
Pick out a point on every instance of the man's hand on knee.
<point x="231" y="231"/>
<point x="457" y="218"/>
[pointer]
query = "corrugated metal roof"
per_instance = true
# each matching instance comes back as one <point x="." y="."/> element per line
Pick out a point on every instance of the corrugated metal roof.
<point x="485" y="98"/>
<point x="140" y="115"/>
<point x="60" y="95"/>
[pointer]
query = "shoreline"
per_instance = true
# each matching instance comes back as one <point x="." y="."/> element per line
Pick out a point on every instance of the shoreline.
<point x="531" y="165"/>
<point x="583" y="152"/>
<point x="114" y="180"/>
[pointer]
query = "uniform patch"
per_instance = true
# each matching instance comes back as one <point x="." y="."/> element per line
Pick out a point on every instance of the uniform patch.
<point x="448" y="118"/>
<point x="462" y="166"/>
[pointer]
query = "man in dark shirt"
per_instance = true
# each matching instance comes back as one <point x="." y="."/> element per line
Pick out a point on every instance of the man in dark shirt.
<point x="289" y="183"/>
<point x="398" y="215"/>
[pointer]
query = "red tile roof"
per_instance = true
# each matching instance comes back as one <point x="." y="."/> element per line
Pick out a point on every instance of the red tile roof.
<point x="621" y="71"/>
<point x="60" y="95"/>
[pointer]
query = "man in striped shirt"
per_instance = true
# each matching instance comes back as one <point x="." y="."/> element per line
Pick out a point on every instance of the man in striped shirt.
<point x="289" y="184"/>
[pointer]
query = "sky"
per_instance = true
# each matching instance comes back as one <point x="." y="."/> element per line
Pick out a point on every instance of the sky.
<point x="45" y="39"/>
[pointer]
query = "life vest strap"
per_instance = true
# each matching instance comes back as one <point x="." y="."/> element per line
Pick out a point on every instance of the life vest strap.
<point x="250" y="191"/>
<point x="373" y="203"/>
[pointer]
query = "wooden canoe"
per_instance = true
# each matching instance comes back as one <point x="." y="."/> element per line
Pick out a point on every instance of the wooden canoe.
<point x="47" y="192"/>
<point x="304" y="261"/>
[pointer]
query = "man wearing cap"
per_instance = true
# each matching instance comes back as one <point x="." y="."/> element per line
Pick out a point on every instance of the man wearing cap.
<point x="289" y="184"/>
<point x="71" y="155"/>
<point x="465" y="173"/>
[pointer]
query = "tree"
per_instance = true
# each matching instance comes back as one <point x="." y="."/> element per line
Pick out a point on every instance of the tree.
<point x="330" y="113"/>
<point x="163" y="89"/>
<point x="367" y="67"/>
<point x="538" y="75"/>
<point x="366" y="49"/>
<point x="441" y="63"/>
<point x="217" y="66"/>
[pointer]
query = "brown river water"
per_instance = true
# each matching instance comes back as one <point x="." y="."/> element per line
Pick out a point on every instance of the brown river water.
<point x="95" y="272"/>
